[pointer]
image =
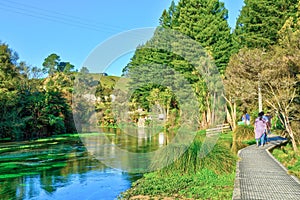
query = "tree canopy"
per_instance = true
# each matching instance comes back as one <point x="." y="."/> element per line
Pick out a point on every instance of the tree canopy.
<point x="260" y="20"/>
<point x="32" y="106"/>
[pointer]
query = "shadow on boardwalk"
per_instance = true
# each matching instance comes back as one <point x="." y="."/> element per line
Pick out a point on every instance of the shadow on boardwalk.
<point x="260" y="176"/>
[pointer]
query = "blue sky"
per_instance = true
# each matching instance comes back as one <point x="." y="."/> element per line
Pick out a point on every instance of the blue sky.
<point x="72" y="29"/>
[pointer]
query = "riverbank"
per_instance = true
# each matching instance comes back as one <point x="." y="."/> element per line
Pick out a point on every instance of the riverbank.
<point x="191" y="177"/>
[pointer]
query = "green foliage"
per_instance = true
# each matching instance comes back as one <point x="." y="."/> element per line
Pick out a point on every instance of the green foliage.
<point x="206" y="22"/>
<point x="260" y="20"/>
<point x="204" y="184"/>
<point x="169" y="18"/>
<point x="158" y="65"/>
<point x="244" y="132"/>
<point x="190" y="176"/>
<point x="9" y="72"/>
<point x="10" y="123"/>
<point x="33" y="107"/>
<point x="52" y="65"/>
<point x="289" y="158"/>
<point x="219" y="160"/>
<point x="202" y="20"/>
<point x="249" y="142"/>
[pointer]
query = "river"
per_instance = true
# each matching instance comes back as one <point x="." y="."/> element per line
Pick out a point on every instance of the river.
<point x="72" y="166"/>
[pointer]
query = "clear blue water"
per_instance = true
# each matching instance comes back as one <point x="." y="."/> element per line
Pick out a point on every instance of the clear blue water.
<point x="63" y="168"/>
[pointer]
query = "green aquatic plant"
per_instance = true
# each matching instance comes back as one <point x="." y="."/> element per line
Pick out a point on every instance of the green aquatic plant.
<point x="33" y="157"/>
<point x="50" y="139"/>
<point x="9" y="165"/>
<point x="59" y="165"/>
<point x="7" y="176"/>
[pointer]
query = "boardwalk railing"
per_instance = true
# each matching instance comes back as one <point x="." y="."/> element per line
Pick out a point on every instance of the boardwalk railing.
<point x="222" y="128"/>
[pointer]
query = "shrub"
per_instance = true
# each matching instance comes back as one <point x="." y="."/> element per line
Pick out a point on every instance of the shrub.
<point x="243" y="132"/>
<point x="220" y="159"/>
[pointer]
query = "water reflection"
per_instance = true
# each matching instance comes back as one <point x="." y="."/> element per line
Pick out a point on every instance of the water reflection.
<point x="161" y="139"/>
<point x="129" y="152"/>
<point x="62" y="168"/>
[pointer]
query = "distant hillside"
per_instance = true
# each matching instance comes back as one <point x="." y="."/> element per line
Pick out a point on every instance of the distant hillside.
<point x="111" y="81"/>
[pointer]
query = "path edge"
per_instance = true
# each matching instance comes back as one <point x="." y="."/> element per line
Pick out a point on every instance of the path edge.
<point x="236" y="195"/>
<point x="237" y="188"/>
<point x="279" y="163"/>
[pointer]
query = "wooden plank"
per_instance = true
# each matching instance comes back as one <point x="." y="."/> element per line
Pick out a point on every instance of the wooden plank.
<point x="220" y="128"/>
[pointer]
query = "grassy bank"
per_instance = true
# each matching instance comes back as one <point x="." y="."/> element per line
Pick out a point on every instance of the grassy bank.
<point x="204" y="184"/>
<point x="190" y="176"/>
<point x="288" y="158"/>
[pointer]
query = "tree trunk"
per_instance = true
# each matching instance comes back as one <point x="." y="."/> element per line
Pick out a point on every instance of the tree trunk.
<point x="208" y="112"/>
<point x="168" y="112"/>
<point x="259" y="99"/>
<point x="290" y="132"/>
<point x="234" y="116"/>
<point x="231" y="118"/>
<point x="213" y="108"/>
<point x="231" y="113"/>
<point x="203" y="121"/>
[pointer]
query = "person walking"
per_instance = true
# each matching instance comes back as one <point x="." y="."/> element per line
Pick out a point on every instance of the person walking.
<point x="267" y="119"/>
<point x="260" y="126"/>
<point x="269" y="123"/>
<point x="246" y="118"/>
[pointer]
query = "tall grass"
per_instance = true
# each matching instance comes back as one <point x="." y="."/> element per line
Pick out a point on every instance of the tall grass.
<point x="219" y="160"/>
<point x="242" y="136"/>
<point x="190" y="175"/>
<point x="244" y="132"/>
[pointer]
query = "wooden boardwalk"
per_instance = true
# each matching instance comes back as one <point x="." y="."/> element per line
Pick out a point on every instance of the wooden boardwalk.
<point x="260" y="176"/>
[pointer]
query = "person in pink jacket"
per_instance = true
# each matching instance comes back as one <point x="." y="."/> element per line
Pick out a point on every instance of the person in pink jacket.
<point x="260" y="126"/>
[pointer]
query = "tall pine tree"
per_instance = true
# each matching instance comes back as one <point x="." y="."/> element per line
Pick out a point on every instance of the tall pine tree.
<point x="202" y="20"/>
<point x="206" y="22"/>
<point x="260" y="20"/>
